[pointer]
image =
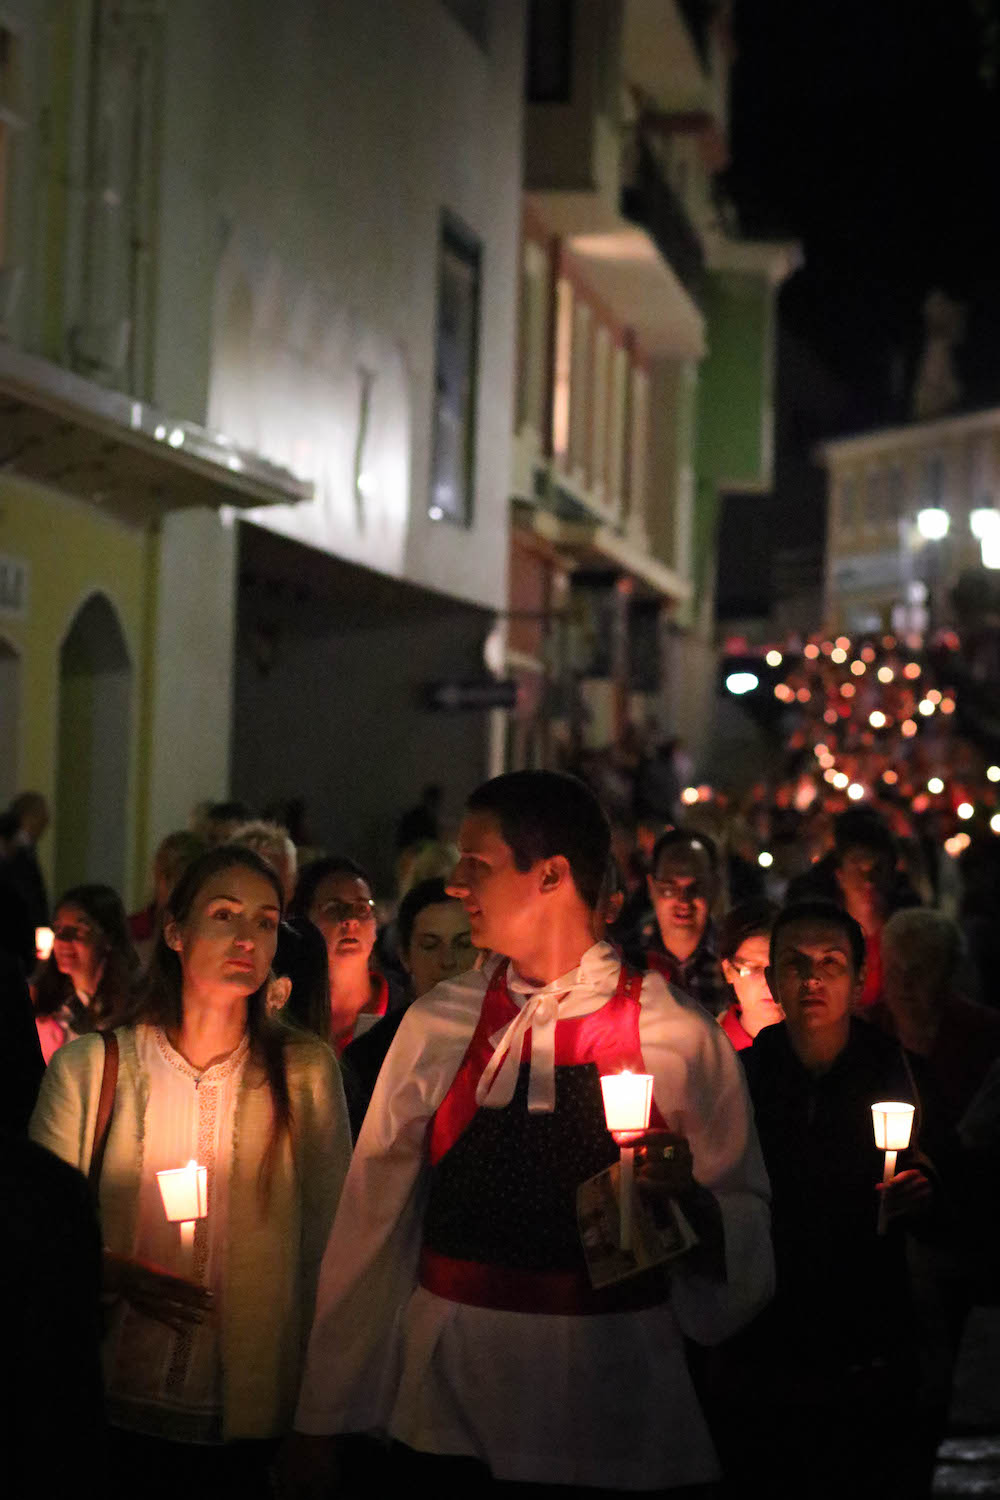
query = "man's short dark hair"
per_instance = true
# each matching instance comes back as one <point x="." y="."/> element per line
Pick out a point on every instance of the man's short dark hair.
<point x="861" y="828"/>
<point x="753" y="918"/>
<point x="684" y="836"/>
<point x="830" y="915"/>
<point x="544" y="813"/>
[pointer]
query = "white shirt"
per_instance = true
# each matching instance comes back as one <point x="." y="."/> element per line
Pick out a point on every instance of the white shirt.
<point x="601" y="1400"/>
<point x="163" y="1383"/>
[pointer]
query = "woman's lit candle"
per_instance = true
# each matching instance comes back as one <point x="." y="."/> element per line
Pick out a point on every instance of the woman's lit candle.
<point x="893" y="1124"/>
<point x="184" y="1191"/>
<point x="44" y="938"/>
<point x="628" y="1098"/>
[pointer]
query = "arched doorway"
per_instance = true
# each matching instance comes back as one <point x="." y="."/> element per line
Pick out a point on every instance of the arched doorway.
<point x="91" y="806"/>
<point x="10" y="721"/>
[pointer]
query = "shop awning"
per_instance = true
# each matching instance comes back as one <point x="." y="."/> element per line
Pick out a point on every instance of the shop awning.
<point x="135" y="461"/>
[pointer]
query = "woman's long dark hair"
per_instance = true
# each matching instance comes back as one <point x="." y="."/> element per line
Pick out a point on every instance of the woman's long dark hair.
<point x="160" y="1001"/>
<point x="102" y="907"/>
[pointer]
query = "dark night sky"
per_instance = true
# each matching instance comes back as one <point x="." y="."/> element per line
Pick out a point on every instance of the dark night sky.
<point x="864" y="129"/>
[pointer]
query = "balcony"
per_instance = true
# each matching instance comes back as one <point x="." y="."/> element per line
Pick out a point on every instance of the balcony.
<point x="649" y="201"/>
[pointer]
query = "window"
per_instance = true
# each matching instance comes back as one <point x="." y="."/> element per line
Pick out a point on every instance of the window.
<point x="563" y="372"/>
<point x="454" y="414"/>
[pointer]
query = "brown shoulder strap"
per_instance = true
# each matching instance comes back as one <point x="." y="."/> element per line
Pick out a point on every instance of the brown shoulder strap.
<point x="105" y="1108"/>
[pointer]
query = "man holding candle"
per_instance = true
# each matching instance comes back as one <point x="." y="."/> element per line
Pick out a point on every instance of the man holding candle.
<point x="835" y="1349"/>
<point x="454" y="1311"/>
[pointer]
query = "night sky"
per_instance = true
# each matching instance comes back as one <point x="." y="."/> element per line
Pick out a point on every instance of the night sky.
<point x="869" y="131"/>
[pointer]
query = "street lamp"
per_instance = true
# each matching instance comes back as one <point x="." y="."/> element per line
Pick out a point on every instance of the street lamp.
<point x="933" y="523"/>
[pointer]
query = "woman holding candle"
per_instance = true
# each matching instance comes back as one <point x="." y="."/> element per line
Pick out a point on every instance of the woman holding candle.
<point x="87" y="977"/>
<point x="203" y="1373"/>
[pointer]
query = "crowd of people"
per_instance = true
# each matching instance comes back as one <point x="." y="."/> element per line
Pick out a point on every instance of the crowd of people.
<point x="391" y="1115"/>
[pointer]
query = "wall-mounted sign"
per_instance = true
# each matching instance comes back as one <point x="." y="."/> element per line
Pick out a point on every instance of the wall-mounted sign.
<point x="14" y="575"/>
<point x="486" y="693"/>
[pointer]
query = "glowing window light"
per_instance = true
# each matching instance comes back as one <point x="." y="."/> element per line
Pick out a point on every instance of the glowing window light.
<point x="689" y="796"/>
<point x="843" y="642"/>
<point x="885" y="674"/>
<point x="840" y="780"/>
<point x="855" y="791"/>
<point x="773" y="658"/>
<point x="811" y="651"/>
<point x="947" y="705"/>
<point x="908" y="728"/>
<point x="933" y="523"/>
<point x="890" y="777"/>
<point x="965" y="811"/>
<point x="911" y="670"/>
<point x="935" y="785"/>
<point x="995" y="822"/>
<point x="925" y="707"/>
<point x="993" y="773"/>
<point x="877" y="719"/>
<point x="742" y="682"/>
<point x="848" y="690"/>
<point x="839" y="655"/>
<point x="765" y="859"/>
<point x="858" y="668"/>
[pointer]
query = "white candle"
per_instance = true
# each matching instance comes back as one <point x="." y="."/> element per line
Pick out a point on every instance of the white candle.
<point x="892" y="1124"/>
<point x="628" y="1098"/>
<point x="44" y="938"/>
<point x="184" y="1191"/>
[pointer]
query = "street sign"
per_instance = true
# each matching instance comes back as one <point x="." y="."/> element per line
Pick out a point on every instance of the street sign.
<point x="487" y="692"/>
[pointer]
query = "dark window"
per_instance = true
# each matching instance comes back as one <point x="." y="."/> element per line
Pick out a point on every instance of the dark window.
<point x="457" y="349"/>
<point x="549" y="68"/>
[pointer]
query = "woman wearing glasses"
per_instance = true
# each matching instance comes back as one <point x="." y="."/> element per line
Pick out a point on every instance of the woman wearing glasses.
<point x="87" y="978"/>
<point x="744" y="941"/>
<point x="336" y="895"/>
<point x="204" y="1346"/>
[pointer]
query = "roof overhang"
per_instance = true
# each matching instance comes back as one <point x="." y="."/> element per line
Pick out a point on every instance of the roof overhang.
<point x="921" y="434"/>
<point x="135" y="461"/>
<point x="593" y="546"/>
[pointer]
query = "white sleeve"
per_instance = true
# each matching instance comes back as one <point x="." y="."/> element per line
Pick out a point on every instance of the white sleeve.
<point x="369" y="1269"/>
<point x="701" y="1092"/>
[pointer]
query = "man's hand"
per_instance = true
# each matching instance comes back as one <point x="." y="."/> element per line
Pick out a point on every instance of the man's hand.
<point x="156" y="1293"/>
<point x="908" y="1194"/>
<point x="308" y="1467"/>
<point x="664" y="1170"/>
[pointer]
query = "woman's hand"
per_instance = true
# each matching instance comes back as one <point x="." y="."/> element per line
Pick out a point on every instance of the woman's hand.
<point x="156" y="1293"/>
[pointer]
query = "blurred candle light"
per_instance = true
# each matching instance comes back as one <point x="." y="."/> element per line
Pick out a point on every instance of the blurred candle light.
<point x="935" y="785"/>
<point x="840" y="780"/>
<point x="843" y="643"/>
<point x="995" y="822"/>
<point x="811" y="651"/>
<point x="689" y="796"/>
<point x="925" y="707"/>
<point x="773" y="658"/>
<point x="933" y="695"/>
<point x="877" y="719"/>
<point x="765" y="859"/>
<point x="885" y="674"/>
<point x="838" y="654"/>
<point x="908" y="728"/>
<point x="890" y="777"/>
<point x="830" y="716"/>
<point x="911" y="670"/>
<point x="184" y="1191"/>
<point x="858" y="668"/>
<point x="947" y="705"/>
<point x="628" y="1098"/>
<point x="847" y="690"/>
<point x="855" y="791"/>
<point x="993" y="773"/>
<point x="892" y="1124"/>
<point x="44" y="938"/>
<point x="965" y="810"/>
<point x="867" y="653"/>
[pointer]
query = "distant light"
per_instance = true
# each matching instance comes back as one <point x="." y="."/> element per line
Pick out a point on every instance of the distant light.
<point x="911" y="670"/>
<point x="742" y="682"/>
<point x="995" y="822"/>
<point x="176" y="438"/>
<point x="947" y="705"/>
<point x="921" y="802"/>
<point x="840" y="780"/>
<point x="984" y="521"/>
<point x="829" y="775"/>
<point x="704" y="792"/>
<point x="689" y="796"/>
<point x="933" y="523"/>
<point x="877" y="719"/>
<point x="826" y="648"/>
<point x="234" y="462"/>
<point x="989" y="550"/>
<point x="993" y="773"/>
<point x="888" y="642"/>
<point x="838" y="654"/>
<point x="867" y="653"/>
<point x="820" y="750"/>
<point x="765" y="859"/>
<point x="781" y="691"/>
<point x="965" y="810"/>
<point x="803" y="695"/>
<point x="925" y="707"/>
<point x="435" y="512"/>
<point x="811" y="651"/>
<point x="843" y="642"/>
<point x="827" y="761"/>
<point x="847" y="690"/>
<point x="935" y="785"/>
<point x="773" y="658"/>
<point x="933" y="695"/>
<point x="885" y="674"/>
<point x="830" y="716"/>
<point x="956" y="844"/>
<point x="858" y="668"/>
<point x="159" y="432"/>
<point x="367" y="485"/>
<point x="855" y="791"/>
<point x="890" y="777"/>
<point x="908" y="728"/>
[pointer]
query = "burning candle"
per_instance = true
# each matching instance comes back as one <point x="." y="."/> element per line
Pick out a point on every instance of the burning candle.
<point x="892" y="1124"/>
<point x="44" y="938"/>
<point x="184" y="1191"/>
<point x="628" y="1098"/>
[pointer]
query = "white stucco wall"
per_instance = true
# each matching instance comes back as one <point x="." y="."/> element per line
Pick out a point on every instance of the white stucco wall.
<point x="308" y="155"/>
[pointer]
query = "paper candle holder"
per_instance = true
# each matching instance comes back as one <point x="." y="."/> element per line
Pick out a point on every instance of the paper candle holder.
<point x="893" y="1124"/>
<point x="628" y="1098"/>
<point x="184" y="1191"/>
<point x="44" y="938"/>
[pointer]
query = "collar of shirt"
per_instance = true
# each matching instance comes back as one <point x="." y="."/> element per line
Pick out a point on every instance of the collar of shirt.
<point x="576" y="993"/>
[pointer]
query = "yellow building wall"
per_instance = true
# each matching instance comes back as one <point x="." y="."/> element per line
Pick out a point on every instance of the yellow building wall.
<point x="73" y="552"/>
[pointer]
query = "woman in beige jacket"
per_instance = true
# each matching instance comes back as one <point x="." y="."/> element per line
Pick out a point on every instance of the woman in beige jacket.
<point x="205" y="1344"/>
